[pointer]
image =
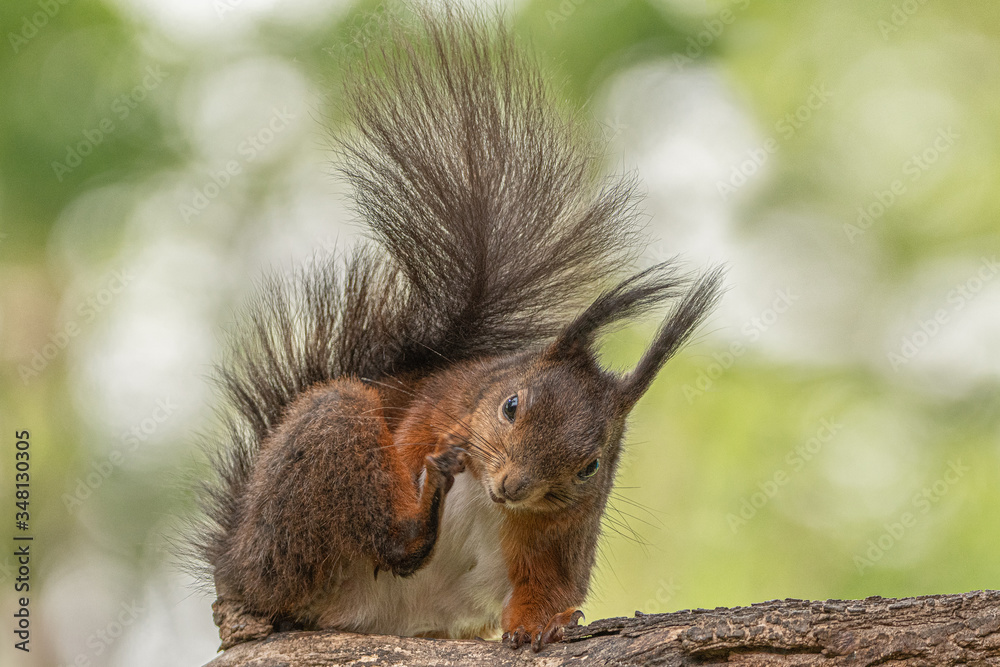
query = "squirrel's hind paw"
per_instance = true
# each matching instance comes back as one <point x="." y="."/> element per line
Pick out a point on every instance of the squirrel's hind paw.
<point x="236" y="624"/>
<point x="448" y="463"/>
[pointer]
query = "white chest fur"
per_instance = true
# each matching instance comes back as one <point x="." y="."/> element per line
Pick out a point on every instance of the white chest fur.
<point x="459" y="593"/>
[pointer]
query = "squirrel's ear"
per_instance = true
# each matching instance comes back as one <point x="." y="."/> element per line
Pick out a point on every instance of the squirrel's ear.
<point x="676" y="328"/>
<point x="628" y="299"/>
<point x="631" y="298"/>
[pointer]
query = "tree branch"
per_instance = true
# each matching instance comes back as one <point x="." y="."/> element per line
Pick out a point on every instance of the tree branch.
<point x="929" y="631"/>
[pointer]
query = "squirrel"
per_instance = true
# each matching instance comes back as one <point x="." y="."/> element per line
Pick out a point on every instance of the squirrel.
<point x="420" y="439"/>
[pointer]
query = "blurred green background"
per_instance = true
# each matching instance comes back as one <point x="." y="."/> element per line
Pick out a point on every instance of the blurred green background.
<point x="834" y="431"/>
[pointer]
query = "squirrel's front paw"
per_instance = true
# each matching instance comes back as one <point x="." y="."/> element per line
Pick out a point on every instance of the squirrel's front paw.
<point x="538" y="636"/>
<point x="519" y="637"/>
<point x="447" y="463"/>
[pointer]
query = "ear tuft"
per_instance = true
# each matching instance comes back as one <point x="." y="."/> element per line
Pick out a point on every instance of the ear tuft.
<point x="629" y="299"/>
<point x="675" y="330"/>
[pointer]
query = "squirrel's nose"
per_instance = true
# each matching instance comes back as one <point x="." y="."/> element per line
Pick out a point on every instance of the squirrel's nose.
<point x="514" y="486"/>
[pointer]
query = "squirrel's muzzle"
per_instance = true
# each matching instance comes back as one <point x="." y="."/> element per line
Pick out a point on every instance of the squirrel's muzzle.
<point x="513" y="486"/>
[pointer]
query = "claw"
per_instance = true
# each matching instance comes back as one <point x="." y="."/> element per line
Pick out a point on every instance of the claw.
<point x="555" y="629"/>
<point x="517" y="638"/>
<point x="461" y="454"/>
<point x="552" y="632"/>
<point x="552" y="635"/>
<point x="448" y="463"/>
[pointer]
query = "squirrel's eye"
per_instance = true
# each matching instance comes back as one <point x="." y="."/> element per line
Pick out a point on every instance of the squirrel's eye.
<point x="590" y="470"/>
<point x="509" y="408"/>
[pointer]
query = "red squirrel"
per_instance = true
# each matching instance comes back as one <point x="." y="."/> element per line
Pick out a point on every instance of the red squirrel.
<point x="419" y="437"/>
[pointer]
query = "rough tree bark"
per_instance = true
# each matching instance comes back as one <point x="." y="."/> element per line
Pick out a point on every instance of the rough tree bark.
<point x="927" y="631"/>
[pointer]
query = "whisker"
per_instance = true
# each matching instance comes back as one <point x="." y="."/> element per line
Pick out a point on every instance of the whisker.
<point x="473" y="446"/>
<point x="430" y="349"/>
<point x="620" y="527"/>
<point x="632" y="516"/>
<point x="634" y="503"/>
<point x="622" y="519"/>
<point x="486" y="450"/>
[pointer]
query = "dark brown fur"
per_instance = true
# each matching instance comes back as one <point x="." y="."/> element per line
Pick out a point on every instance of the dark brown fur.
<point x="490" y="231"/>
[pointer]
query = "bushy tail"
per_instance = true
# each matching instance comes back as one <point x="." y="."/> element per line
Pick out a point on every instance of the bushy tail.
<point x="481" y="189"/>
